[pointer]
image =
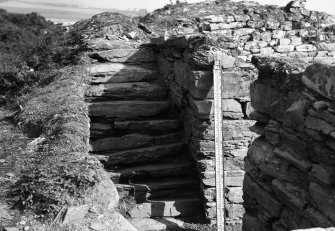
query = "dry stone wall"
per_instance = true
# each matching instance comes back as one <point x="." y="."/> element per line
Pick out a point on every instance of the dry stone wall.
<point x="236" y="32"/>
<point x="289" y="182"/>
<point x="186" y="39"/>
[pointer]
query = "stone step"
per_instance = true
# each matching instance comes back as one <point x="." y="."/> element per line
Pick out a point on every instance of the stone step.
<point x="157" y="224"/>
<point x="156" y="170"/>
<point x="166" y="188"/>
<point x="120" y="73"/>
<point x="140" y="155"/>
<point x="149" y="125"/>
<point x="127" y="109"/>
<point x="124" y="55"/>
<point x="126" y="91"/>
<point x="132" y="141"/>
<point x="172" y="208"/>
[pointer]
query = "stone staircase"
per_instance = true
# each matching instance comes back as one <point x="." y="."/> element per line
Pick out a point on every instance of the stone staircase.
<point x="136" y="134"/>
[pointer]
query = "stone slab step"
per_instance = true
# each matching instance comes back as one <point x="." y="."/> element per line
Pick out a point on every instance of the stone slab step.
<point x="125" y="55"/>
<point x="120" y="73"/>
<point x="156" y="170"/>
<point x="125" y="190"/>
<point x="149" y="125"/>
<point x="127" y="109"/>
<point x="173" y="187"/>
<point x="140" y="155"/>
<point x="173" y="208"/>
<point x="157" y="224"/>
<point x="126" y="91"/>
<point x="131" y="141"/>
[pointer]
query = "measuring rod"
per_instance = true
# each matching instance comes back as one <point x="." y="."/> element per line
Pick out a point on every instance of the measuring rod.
<point x="219" y="180"/>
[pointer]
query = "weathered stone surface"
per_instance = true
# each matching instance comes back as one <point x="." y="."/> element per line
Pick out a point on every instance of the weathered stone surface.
<point x="251" y="223"/>
<point x="284" y="48"/>
<point x="99" y="129"/>
<point x="323" y="200"/>
<point x="324" y="174"/>
<point x="318" y="125"/>
<point x="234" y="195"/>
<point x="326" y="46"/>
<point x="127" y="109"/>
<point x="124" y="55"/>
<point x="305" y="47"/>
<point x="126" y="91"/>
<point x="156" y="170"/>
<point x="321" y="79"/>
<point x="99" y="44"/>
<point x="236" y="84"/>
<point x="292" y="196"/>
<point x="121" y="143"/>
<point x="148" y="125"/>
<point x="75" y="213"/>
<point x="303" y="165"/>
<point x="295" y="115"/>
<point x="234" y="211"/>
<point x="141" y="155"/>
<point x="120" y="73"/>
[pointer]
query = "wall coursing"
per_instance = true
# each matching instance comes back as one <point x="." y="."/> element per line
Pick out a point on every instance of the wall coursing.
<point x="290" y="167"/>
<point x="186" y="63"/>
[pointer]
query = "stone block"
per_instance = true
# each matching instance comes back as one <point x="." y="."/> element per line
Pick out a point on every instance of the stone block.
<point x="234" y="195"/>
<point x="318" y="125"/>
<point x="234" y="211"/>
<point x="284" y="48"/>
<point x="268" y="201"/>
<point x="292" y="196"/>
<point x="306" y="48"/>
<point x="236" y="84"/>
<point x="75" y="213"/>
<point x="141" y="55"/>
<point x="323" y="200"/>
<point x="234" y="178"/>
<point x="324" y="174"/>
<point x="321" y="79"/>
<point x="278" y="34"/>
<point x="284" y="41"/>
<point x="296" y="41"/>
<point x="295" y="115"/>
<point x="321" y="153"/>
<point x="326" y="46"/>
<point x="303" y="165"/>
<point x="266" y="51"/>
<point x="251" y="223"/>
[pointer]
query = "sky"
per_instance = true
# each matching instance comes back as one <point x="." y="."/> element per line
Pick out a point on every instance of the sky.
<point x="74" y="10"/>
<point x="321" y="5"/>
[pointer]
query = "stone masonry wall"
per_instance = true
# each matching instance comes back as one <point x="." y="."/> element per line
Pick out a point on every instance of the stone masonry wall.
<point x="236" y="32"/>
<point x="190" y="84"/>
<point x="289" y="181"/>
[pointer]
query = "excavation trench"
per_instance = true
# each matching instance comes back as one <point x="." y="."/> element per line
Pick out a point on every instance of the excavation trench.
<point x="138" y="134"/>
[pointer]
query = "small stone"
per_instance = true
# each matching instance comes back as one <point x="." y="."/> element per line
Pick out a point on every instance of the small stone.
<point x="10" y="175"/>
<point x="284" y="48"/>
<point x="306" y="47"/>
<point x="26" y="228"/>
<point x="284" y="41"/>
<point x="75" y="213"/>
<point x="98" y="226"/>
<point x="2" y="161"/>
<point x="321" y="105"/>
<point x="23" y="223"/>
<point x="11" y="229"/>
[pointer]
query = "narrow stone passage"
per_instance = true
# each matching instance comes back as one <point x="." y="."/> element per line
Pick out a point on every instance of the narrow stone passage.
<point x="139" y="138"/>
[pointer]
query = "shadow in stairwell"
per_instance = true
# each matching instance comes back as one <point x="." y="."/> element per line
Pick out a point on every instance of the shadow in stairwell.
<point x="135" y="70"/>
